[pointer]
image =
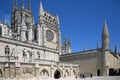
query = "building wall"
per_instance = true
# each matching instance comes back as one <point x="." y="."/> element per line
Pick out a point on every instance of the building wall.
<point x="16" y="65"/>
<point x="92" y="61"/>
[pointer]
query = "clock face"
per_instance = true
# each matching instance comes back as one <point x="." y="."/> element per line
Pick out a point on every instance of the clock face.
<point x="49" y="35"/>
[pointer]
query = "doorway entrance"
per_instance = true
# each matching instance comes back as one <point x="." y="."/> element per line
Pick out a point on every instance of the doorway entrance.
<point x="57" y="74"/>
<point x="98" y="72"/>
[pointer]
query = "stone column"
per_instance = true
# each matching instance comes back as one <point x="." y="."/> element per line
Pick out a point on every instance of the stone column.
<point x="52" y="71"/>
<point x="37" y="73"/>
<point x="17" y="71"/>
<point x="30" y="34"/>
<point x="7" y="70"/>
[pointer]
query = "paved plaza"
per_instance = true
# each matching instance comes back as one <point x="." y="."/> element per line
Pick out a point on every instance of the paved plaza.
<point x="71" y="78"/>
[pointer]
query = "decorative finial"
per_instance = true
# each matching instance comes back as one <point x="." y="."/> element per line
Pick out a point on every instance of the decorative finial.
<point x="40" y="9"/>
<point x="5" y="20"/>
<point x="116" y="48"/>
<point x="13" y="5"/>
<point x="98" y="46"/>
<point x="65" y="41"/>
<point x="16" y="4"/>
<point x="69" y="42"/>
<point x="22" y="4"/>
<point x="105" y="30"/>
<point x="58" y="19"/>
<point x="84" y="48"/>
<point x="29" y="6"/>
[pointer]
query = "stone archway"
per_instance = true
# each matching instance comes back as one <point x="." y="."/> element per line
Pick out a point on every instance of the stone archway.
<point x="1" y="73"/>
<point x="57" y="74"/>
<point x="44" y="72"/>
<point x="66" y="73"/>
<point x="74" y="73"/>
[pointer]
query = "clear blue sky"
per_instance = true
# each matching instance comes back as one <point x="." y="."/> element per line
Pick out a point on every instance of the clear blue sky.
<point x="81" y="20"/>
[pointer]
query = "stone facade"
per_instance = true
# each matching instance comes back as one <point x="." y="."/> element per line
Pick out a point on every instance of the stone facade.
<point x="100" y="61"/>
<point x="29" y="49"/>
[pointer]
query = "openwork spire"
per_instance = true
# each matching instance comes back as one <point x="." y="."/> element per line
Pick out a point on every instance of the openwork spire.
<point x="58" y="19"/>
<point x="65" y="41"/>
<point x="40" y="9"/>
<point x="16" y="4"/>
<point x="69" y="42"/>
<point x="29" y="6"/>
<point x="98" y="46"/>
<point x="84" y="48"/>
<point x="23" y="4"/>
<point x="116" y="48"/>
<point x="13" y="5"/>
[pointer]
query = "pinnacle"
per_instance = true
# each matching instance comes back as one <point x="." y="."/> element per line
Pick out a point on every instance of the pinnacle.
<point x="105" y="30"/>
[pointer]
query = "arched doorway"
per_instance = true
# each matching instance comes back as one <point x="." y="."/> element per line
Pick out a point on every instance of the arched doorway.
<point x="57" y="74"/>
<point x="44" y="72"/>
<point x="73" y="72"/>
<point x="66" y="73"/>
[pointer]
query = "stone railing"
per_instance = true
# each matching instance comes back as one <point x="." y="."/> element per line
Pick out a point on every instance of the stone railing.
<point x="8" y="58"/>
<point x="38" y="61"/>
<point x="48" y="62"/>
<point x="69" y="65"/>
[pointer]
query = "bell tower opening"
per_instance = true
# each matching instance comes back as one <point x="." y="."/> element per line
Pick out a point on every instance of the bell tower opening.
<point x="57" y="74"/>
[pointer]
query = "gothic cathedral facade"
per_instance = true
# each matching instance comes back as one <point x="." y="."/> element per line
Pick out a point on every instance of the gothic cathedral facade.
<point x="30" y="49"/>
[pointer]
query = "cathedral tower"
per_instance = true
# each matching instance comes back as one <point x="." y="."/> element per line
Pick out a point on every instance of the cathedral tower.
<point x="18" y="13"/>
<point x="105" y="48"/>
<point x="48" y="29"/>
<point x="105" y="38"/>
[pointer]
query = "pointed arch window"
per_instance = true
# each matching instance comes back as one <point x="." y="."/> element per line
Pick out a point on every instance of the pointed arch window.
<point x="26" y="35"/>
<point x="44" y="72"/>
<point x="38" y="55"/>
<point x="7" y="50"/>
<point x="30" y="55"/>
<point x="0" y="30"/>
<point x="24" y="55"/>
<point x="36" y="34"/>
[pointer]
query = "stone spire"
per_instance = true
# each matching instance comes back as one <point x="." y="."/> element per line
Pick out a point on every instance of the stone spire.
<point x="23" y="30"/>
<point x="40" y="10"/>
<point x="65" y="41"/>
<point x="69" y="49"/>
<point x="98" y="46"/>
<point x="105" y="30"/>
<point x="69" y="42"/>
<point x="105" y="38"/>
<point x="22" y="4"/>
<point x="23" y="23"/>
<point x="29" y="6"/>
<point x="116" y="48"/>
<point x="58" y="19"/>
<point x="16" y="4"/>
<point x="84" y="48"/>
<point x="13" y="5"/>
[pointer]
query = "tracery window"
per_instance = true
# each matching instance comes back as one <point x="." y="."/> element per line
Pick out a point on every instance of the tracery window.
<point x="36" y="32"/>
<point x="44" y="72"/>
<point x="38" y="55"/>
<point x="7" y="50"/>
<point x="24" y="55"/>
<point x="26" y="35"/>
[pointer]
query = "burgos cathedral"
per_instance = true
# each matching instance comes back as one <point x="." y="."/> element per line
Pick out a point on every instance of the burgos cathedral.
<point x="29" y="49"/>
<point x="34" y="50"/>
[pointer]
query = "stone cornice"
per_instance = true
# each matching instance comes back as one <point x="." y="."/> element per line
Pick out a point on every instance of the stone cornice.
<point x="29" y="45"/>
